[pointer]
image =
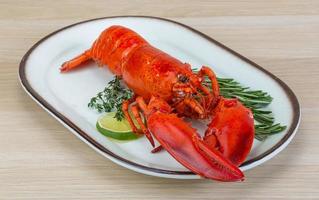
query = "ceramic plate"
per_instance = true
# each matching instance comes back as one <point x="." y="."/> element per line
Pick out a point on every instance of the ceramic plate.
<point x="65" y="96"/>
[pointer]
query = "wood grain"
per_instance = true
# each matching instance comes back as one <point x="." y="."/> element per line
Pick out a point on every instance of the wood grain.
<point x="40" y="159"/>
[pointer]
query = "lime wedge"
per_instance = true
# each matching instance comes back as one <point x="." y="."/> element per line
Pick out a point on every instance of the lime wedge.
<point x="111" y="127"/>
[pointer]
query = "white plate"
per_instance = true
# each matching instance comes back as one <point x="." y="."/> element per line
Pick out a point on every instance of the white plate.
<point x="66" y="96"/>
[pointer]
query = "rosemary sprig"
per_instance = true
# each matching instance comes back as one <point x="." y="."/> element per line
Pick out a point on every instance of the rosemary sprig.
<point x="111" y="98"/>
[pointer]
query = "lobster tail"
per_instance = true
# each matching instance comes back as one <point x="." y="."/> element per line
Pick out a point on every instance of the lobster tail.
<point x="112" y="48"/>
<point x="75" y="62"/>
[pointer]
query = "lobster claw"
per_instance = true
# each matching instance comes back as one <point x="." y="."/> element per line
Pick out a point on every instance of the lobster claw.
<point x="231" y="131"/>
<point x="185" y="145"/>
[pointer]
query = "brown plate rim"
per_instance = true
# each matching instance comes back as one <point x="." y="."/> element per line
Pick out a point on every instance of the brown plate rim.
<point x="22" y="75"/>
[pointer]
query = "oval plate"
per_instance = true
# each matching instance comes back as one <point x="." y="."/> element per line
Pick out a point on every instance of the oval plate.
<point x="66" y="96"/>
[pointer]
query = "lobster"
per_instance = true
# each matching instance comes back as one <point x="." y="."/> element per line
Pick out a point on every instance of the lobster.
<point x="166" y="91"/>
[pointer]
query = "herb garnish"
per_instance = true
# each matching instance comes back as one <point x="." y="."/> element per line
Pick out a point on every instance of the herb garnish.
<point x="111" y="98"/>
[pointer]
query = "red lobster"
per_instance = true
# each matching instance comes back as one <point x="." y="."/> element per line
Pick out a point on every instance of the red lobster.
<point x="166" y="90"/>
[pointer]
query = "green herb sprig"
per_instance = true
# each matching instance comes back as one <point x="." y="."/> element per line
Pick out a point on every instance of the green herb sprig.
<point x="111" y="98"/>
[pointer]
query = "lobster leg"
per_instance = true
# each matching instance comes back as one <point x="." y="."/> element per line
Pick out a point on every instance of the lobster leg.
<point x="125" y="109"/>
<point x="182" y="89"/>
<point x="75" y="62"/>
<point x="137" y="116"/>
<point x="194" y="105"/>
<point x="212" y="77"/>
<point x="140" y="122"/>
<point x="206" y="71"/>
<point x="157" y="149"/>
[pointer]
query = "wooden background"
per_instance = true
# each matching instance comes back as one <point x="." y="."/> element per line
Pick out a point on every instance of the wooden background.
<point x="40" y="159"/>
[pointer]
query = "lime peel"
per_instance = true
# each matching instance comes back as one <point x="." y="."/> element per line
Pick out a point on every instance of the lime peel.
<point x="109" y="126"/>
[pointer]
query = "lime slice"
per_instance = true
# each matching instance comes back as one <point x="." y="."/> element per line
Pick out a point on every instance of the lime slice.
<point x="111" y="127"/>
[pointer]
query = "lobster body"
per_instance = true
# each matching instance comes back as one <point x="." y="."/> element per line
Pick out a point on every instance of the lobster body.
<point x="144" y="68"/>
<point x="165" y="87"/>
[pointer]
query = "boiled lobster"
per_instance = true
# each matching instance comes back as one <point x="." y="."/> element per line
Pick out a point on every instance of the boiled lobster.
<point x="166" y="90"/>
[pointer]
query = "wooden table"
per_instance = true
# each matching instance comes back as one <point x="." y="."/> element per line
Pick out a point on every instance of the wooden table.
<point x="40" y="159"/>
